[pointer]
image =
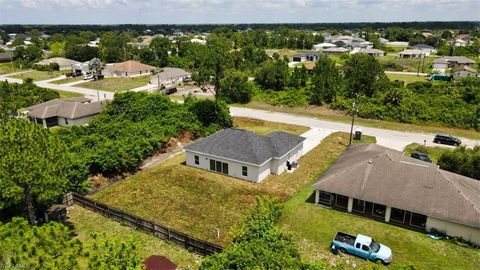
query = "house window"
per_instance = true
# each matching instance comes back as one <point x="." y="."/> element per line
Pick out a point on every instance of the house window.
<point x="244" y="170"/>
<point x="197" y="160"/>
<point x="378" y="210"/>
<point x="66" y="121"/>
<point x="325" y="197"/>
<point x="218" y="166"/>
<point x="358" y="206"/>
<point x="341" y="201"/>
<point x="397" y="215"/>
<point x="212" y="165"/>
<point x="225" y="168"/>
<point x="418" y="220"/>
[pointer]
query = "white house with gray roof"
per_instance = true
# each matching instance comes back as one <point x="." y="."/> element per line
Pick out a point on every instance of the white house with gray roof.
<point x="243" y="154"/>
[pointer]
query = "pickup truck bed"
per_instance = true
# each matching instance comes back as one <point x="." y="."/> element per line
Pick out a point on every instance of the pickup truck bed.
<point x="345" y="238"/>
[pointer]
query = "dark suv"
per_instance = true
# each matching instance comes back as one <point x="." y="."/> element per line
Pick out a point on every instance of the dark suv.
<point x="447" y="139"/>
<point x="421" y="156"/>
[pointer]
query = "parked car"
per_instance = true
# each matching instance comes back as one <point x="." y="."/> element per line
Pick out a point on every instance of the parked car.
<point x="421" y="156"/>
<point x="362" y="246"/>
<point x="87" y="76"/>
<point x="170" y="91"/>
<point x="447" y="139"/>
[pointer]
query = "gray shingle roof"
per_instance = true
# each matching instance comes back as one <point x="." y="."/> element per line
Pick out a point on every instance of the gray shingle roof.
<point x="246" y="146"/>
<point x="457" y="59"/>
<point x="380" y="175"/>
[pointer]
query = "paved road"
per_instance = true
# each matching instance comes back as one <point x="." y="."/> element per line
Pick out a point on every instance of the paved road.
<point x="406" y="73"/>
<point x="388" y="138"/>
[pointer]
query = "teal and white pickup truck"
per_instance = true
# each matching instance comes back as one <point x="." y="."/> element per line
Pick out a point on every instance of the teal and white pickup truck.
<point x="362" y="246"/>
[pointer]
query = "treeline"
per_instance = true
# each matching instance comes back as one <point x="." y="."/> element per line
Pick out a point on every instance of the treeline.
<point x="201" y="28"/>
<point x="15" y="96"/>
<point x="464" y="161"/>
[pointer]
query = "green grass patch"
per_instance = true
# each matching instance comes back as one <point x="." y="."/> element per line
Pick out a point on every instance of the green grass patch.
<point x="86" y="223"/>
<point x="409" y="64"/>
<point x="68" y="80"/>
<point x="196" y="201"/>
<point x="324" y="113"/>
<point x="114" y="84"/>
<point x="40" y="75"/>
<point x="263" y="127"/>
<point x="406" y="78"/>
<point x="314" y="227"/>
<point x="8" y="67"/>
<point x="66" y="94"/>
<point x="433" y="153"/>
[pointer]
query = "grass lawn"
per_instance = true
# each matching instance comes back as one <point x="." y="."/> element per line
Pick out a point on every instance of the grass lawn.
<point x="263" y="128"/>
<point x="6" y="68"/>
<point x="314" y="227"/>
<point x="68" y="80"/>
<point x="408" y="64"/>
<point x="114" y="84"/>
<point x="65" y="94"/>
<point x="86" y="223"/>
<point x="40" y="75"/>
<point x="406" y="78"/>
<point x="196" y="201"/>
<point x="324" y="113"/>
<point x="433" y="153"/>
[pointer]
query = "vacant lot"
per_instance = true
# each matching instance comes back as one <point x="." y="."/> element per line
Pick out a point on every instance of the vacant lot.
<point x="409" y="64"/>
<point x="196" y="202"/>
<point x="314" y="227"/>
<point x="114" y="84"/>
<point x="6" y="68"/>
<point x="406" y="78"/>
<point x="263" y="128"/>
<point x="323" y="112"/>
<point x="68" y="80"/>
<point x="87" y="223"/>
<point x="65" y="94"/>
<point x="40" y="75"/>
<point x="433" y="152"/>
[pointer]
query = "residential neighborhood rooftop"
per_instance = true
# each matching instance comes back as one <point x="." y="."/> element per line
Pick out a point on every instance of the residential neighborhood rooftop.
<point x="71" y="108"/>
<point x="457" y="59"/>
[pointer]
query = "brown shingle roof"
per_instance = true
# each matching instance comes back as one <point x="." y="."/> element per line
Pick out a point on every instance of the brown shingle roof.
<point x="380" y="175"/>
<point x="130" y="66"/>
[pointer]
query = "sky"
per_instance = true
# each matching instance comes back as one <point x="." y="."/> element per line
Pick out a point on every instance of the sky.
<point x="233" y="11"/>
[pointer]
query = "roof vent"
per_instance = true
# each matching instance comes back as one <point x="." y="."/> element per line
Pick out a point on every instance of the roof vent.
<point x="370" y="162"/>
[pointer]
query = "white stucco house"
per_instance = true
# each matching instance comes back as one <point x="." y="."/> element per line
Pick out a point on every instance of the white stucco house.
<point x="243" y="154"/>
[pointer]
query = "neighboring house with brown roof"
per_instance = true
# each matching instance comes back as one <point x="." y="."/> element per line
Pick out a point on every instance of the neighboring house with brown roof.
<point x="69" y="112"/>
<point x="243" y="154"/>
<point x="411" y="53"/>
<point x="127" y="69"/>
<point x="443" y="63"/>
<point x="383" y="184"/>
<point x="63" y="63"/>
<point x="463" y="72"/>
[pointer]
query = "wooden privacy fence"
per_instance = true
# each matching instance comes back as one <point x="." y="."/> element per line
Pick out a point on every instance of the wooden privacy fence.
<point x="183" y="240"/>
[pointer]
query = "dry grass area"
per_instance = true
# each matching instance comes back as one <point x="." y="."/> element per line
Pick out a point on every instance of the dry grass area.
<point x="40" y="75"/>
<point x="87" y="223"/>
<point x="196" y="202"/>
<point x="263" y="128"/>
<point x="114" y="84"/>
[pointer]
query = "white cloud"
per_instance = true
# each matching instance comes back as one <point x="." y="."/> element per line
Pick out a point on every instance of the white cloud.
<point x="39" y="4"/>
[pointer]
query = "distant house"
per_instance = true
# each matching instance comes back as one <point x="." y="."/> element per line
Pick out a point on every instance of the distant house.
<point x="463" y="72"/>
<point x="463" y="40"/>
<point x="81" y="68"/>
<point x="70" y="112"/>
<point x="379" y="183"/>
<point x="336" y="50"/>
<point x="321" y="46"/>
<point x="425" y="48"/>
<point x="397" y="43"/>
<point x="199" y="41"/>
<point x="246" y="155"/>
<point x="372" y="52"/>
<point x="411" y="54"/>
<point x="443" y="63"/>
<point x="306" y="57"/>
<point x="6" y="57"/>
<point x="127" y="69"/>
<point x="63" y="63"/>
<point x="170" y="75"/>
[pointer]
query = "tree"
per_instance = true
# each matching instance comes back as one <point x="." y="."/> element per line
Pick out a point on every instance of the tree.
<point x="258" y="244"/>
<point x="114" y="47"/>
<point x="326" y="81"/>
<point x="363" y="75"/>
<point x="57" y="49"/>
<point x="462" y="160"/>
<point x="160" y="47"/>
<point x="49" y="246"/>
<point x="113" y="254"/>
<point x="26" y="56"/>
<point x="211" y="113"/>
<point x="33" y="168"/>
<point x="96" y="66"/>
<point x="273" y="75"/>
<point x="236" y="88"/>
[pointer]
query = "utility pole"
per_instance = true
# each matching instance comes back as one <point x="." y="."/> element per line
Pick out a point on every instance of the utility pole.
<point x="354" y="105"/>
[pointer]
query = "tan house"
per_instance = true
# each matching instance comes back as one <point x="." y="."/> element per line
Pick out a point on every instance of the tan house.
<point x="127" y="69"/>
<point x="464" y="72"/>
<point x="69" y="112"/>
<point x="63" y="63"/>
<point x="372" y="52"/>
<point x="379" y="183"/>
<point x="443" y="63"/>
